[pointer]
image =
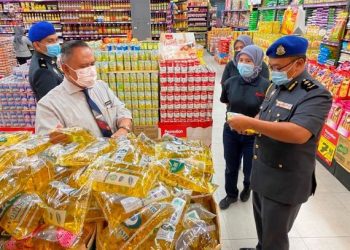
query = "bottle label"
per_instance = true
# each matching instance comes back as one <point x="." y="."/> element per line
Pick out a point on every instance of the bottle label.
<point x="113" y="178"/>
<point x="176" y="166"/>
<point x="179" y="205"/>
<point x="134" y="222"/>
<point x="193" y="215"/>
<point x="166" y="232"/>
<point x="131" y="204"/>
<point x="8" y="205"/>
<point x="55" y="216"/>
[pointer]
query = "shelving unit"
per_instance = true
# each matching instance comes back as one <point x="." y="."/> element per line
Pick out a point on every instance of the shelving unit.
<point x="180" y="19"/>
<point x="159" y="17"/>
<point x="198" y="21"/>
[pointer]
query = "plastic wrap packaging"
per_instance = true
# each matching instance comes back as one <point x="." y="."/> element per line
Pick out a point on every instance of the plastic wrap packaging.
<point x="172" y="147"/>
<point x="69" y="135"/>
<point x="94" y="213"/>
<point x="171" y="229"/>
<point x="117" y="208"/>
<point x="21" y="215"/>
<point x="125" y="152"/>
<point x="122" y="179"/>
<point x="10" y="139"/>
<point x="132" y="233"/>
<point x="58" y="153"/>
<point x="197" y="212"/>
<point x="88" y="154"/>
<point x="9" y="155"/>
<point x="12" y="181"/>
<point x="35" y="144"/>
<point x="179" y="173"/>
<point x="41" y="172"/>
<point x="66" y="207"/>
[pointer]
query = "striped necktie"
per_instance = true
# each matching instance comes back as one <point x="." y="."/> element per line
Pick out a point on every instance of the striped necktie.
<point x="100" y="120"/>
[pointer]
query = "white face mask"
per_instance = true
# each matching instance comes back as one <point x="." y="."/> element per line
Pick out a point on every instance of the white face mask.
<point x="86" y="76"/>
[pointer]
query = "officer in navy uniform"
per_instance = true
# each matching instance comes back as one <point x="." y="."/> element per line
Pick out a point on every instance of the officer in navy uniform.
<point x="44" y="74"/>
<point x="288" y="127"/>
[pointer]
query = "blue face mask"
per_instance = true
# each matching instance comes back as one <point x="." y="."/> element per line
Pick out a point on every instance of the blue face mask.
<point x="53" y="50"/>
<point x="280" y="78"/>
<point x="245" y="70"/>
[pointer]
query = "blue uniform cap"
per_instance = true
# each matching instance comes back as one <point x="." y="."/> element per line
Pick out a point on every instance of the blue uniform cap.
<point x="288" y="46"/>
<point x="41" y="30"/>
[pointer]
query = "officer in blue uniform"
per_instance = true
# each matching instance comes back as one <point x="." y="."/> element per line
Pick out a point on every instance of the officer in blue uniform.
<point x="288" y="127"/>
<point x="44" y="74"/>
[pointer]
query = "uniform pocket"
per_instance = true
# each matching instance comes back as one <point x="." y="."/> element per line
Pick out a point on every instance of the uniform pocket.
<point x="279" y="114"/>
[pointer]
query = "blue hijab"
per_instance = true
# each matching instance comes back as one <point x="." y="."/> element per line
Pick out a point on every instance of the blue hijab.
<point x="246" y="40"/>
<point x="257" y="55"/>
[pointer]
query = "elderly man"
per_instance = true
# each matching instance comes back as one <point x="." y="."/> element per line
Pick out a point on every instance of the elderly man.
<point x="81" y="100"/>
<point x="44" y="74"/>
<point x="289" y="124"/>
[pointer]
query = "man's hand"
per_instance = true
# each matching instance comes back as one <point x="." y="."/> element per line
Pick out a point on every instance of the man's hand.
<point x="240" y="123"/>
<point x="57" y="137"/>
<point x="119" y="133"/>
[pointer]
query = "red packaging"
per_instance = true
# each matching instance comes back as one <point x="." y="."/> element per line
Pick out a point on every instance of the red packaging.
<point x="211" y="76"/>
<point x="171" y="78"/>
<point x="197" y="77"/>
<point x="163" y="78"/>
<point x="183" y="97"/>
<point x="197" y="104"/>
<point x="170" y="105"/>
<point x="163" y="104"/>
<point x="210" y="95"/>
<point x="209" y="114"/>
<point x="170" y="96"/>
<point x="196" y="114"/>
<point x="191" y="87"/>
<point x="190" y="96"/>
<point x="177" y="96"/>
<point x="176" y="115"/>
<point x="204" y="104"/>
<point x="190" y="77"/>
<point x="189" y="114"/>
<point x="163" y="96"/>
<point x="177" y="105"/>
<point x="183" y="87"/>
<point x="183" y="105"/>
<point x="197" y="95"/>
<point x="204" y="96"/>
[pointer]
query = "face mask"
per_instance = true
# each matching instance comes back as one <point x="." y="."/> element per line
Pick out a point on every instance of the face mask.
<point x="86" y="76"/>
<point x="245" y="70"/>
<point x="281" y="77"/>
<point x="53" y="50"/>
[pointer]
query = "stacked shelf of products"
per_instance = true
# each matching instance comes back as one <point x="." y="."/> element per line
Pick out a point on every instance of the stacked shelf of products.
<point x="213" y="16"/>
<point x="88" y="20"/>
<point x="198" y="20"/>
<point x="159" y="17"/>
<point x="7" y="55"/>
<point x="131" y="71"/>
<point x="180" y="16"/>
<point x="9" y="17"/>
<point x="237" y="15"/>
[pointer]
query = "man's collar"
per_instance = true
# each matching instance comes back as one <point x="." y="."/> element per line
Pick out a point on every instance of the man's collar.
<point x="292" y="84"/>
<point x="70" y="87"/>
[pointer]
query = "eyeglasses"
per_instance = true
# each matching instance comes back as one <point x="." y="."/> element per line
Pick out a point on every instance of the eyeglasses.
<point x="274" y="68"/>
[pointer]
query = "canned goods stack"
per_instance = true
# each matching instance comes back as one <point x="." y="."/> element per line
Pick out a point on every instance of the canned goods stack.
<point x="186" y="91"/>
<point x="17" y="102"/>
<point x="7" y="55"/>
<point x="131" y="71"/>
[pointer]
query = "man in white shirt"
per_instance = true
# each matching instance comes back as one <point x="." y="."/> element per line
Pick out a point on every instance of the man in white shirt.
<point x="81" y="100"/>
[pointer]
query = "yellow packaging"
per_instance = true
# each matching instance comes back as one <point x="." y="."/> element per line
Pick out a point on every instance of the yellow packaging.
<point x="134" y="231"/>
<point x="133" y="77"/>
<point x="147" y="86"/>
<point x="140" y="77"/>
<point x="41" y="172"/>
<point x="148" y="105"/>
<point x="124" y="179"/>
<point x="127" y="87"/>
<point x="140" y="95"/>
<point x="9" y="155"/>
<point x="154" y="78"/>
<point x="88" y="154"/>
<point x="66" y="207"/>
<point x="117" y="208"/>
<point x="21" y="215"/>
<point x="133" y="86"/>
<point x="35" y="145"/>
<point x="141" y="87"/>
<point x="12" y="181"/>
<point x="13" y="138"/>
<point x="148" y="95"/>
<point x="155" y="105"/>
<point x="75" y="134"/>
<point x="146" y="77"/>
<point x="94" y="213"/>
<point x="119" y="78"/>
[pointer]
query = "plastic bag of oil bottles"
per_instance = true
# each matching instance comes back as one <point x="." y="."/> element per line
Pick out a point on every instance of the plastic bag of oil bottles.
<point x="117" y="208"/>
<point x="9" y="139"/>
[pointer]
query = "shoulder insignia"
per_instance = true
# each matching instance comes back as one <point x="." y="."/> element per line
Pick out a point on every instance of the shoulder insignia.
<point x="42" y="63"/>
<point x="308" y="85"/>
<point x="292" y="86"/>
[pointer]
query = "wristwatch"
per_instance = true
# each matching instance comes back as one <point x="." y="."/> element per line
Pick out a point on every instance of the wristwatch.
<point x="126" y="128"/>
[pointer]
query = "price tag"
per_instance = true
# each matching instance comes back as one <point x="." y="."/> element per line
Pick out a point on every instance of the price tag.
<point x="326" y="149"/>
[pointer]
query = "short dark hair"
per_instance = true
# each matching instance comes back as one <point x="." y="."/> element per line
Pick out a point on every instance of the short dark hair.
<point x="68" y="48"/>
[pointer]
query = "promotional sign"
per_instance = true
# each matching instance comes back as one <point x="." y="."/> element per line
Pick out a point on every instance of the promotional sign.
<point x="327" y="144"/>
<point x="342" y="153"/>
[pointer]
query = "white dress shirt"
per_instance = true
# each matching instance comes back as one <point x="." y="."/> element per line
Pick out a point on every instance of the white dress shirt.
<point x="66" y="105"/>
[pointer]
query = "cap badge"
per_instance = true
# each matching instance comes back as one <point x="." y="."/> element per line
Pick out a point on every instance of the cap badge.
<point x="280" y="51"/>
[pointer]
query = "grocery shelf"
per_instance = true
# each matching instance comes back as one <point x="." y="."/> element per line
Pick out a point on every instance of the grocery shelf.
<point x="9" y="33"/>
<point x="317" y="5"/>
<point x="236" y="10"/>
<point x="346" y="40"/>
<point x="109" y="10"/>
<point x="93" y="35"/>
<point x="196" y="6"/>
<point x="196" y="20"/>
<point x="39" y="11"/>
<point x="154" y="23"/>
<point x="53" y="22"/>
<point x="330" y="43"/>
<point x="159" y="11"/>
<point x="274" y="8"/>
<point x="133" y="71"/>
<point x="180" y="19"/>
<point x="117" y="22"/>
<point x="345" y="51"/>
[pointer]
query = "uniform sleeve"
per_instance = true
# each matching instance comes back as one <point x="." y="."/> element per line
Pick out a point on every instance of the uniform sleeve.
<point x="313" y="110"/>
<point x="226" y="74"/>
<point x="46" y="119"/>
<point x="265" y="72"/>
<point x="121" y="111"/>
<point x="224" y="97"/>
<point x="43" y="82"/>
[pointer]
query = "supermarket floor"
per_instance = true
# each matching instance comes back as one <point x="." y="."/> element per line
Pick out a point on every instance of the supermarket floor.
<point x="323" y="222"/>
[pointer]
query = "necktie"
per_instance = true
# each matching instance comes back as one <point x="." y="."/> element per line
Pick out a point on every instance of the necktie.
<point x="101" y="122"/>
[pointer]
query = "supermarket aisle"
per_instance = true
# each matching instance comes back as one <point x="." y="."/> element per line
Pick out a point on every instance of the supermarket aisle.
<point x="323" y="222"/>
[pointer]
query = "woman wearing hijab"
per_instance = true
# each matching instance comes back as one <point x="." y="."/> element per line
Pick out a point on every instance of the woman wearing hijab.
<point x="243" y="94"/>
<point x="231" y="67"/>
<point x="21" y="44"/>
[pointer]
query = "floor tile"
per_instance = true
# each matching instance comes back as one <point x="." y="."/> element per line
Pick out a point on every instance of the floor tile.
<point x="337" y="243"/>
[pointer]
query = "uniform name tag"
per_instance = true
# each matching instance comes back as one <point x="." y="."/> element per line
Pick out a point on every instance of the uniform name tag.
<point x="284" y="105"/>
<point x="108" y="103"/>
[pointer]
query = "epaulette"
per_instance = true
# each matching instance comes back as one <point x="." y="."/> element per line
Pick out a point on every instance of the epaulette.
<point x="42" y="63"/>
<point x="308" y="85"/>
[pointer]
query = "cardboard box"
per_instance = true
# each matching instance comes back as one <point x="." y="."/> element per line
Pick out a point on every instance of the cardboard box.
<point x="151" y="131"/>
<point x="342" y="153"/>
<point x="191" y="130"/>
